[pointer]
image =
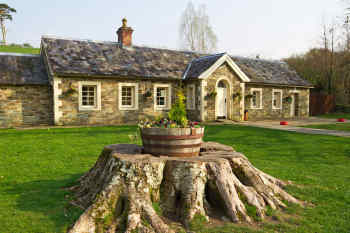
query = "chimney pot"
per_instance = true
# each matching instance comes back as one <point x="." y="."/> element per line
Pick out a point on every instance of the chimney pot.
<point x="125" y="34"/>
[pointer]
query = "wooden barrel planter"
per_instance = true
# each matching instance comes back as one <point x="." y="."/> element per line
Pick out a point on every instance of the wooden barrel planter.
<point x="173" y="142"/>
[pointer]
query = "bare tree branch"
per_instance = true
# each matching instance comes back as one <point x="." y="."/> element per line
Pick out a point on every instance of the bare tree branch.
<point x="195" y="31"/>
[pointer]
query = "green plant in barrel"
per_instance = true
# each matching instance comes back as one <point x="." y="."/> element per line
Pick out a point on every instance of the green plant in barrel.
<point x="177" y="112"/>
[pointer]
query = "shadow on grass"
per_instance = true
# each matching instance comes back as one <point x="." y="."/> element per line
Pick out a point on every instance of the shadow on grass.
<point x="47" y="198"/>
<point x="66" y="131"/>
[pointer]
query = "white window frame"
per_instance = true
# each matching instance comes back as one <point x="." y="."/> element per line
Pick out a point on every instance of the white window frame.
<point x="273" y="98"/>
<point x="199" y="97"/>
<point x="159" y="107"/>
<point x="191" y="105"/>
<point x="251" y="100"/>
<point x="135" y="106"/>
<point x="98" y="96"/>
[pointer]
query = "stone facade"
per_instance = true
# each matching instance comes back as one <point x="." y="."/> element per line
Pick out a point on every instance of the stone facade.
<point x="109" y="112"/>
<point x="28" y="105"/>
<point x="267" y="111"/>
<point x="232" y="82"/>
<point x="237" y="102"/>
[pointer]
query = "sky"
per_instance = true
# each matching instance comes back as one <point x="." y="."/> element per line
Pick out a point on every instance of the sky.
<point x="273" y="29"/>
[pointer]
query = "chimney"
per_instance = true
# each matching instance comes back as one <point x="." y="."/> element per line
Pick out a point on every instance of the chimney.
<point x="125" y="34"/>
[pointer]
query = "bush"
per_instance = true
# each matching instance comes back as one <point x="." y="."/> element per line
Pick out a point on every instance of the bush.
<point x="27" y="45"/>
<point x="178" y="111"/>
<point x="342" y="108"/>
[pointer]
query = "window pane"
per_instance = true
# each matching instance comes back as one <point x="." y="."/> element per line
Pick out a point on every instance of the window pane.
<point x="88" y="95"/>
<point x="127" y="96"/>
<point x="161" y="96"/>
<point x="190" y="97"/>
<point x="277" y="99"/>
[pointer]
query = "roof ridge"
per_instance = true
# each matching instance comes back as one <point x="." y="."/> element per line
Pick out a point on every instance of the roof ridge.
<point x="19" y="54"/>
<point x="208" y="56"/>
<point x="78" y="39"/>
<point x="113" y="42"/>
<point x="257" y="59"/>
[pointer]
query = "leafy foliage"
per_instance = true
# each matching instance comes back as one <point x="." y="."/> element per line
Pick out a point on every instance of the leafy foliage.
<point x="177" y="112"/>
<point x="5" y="14"/>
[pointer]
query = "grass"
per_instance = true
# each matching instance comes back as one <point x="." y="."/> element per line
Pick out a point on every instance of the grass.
<point x="336" y="115"/>
<point x="338" y="126"/>
<point x="18" y="49"/>
<point x="36" y="164"/>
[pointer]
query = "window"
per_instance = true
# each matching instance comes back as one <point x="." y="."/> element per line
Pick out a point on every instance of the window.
<point x="256" y="100"/>
<point x="191" y="97"/>
<point x="128" y="96"/>
<point x="162" y="96"/>
<point x="89" y="96"/>
<point x="276" y="99"/>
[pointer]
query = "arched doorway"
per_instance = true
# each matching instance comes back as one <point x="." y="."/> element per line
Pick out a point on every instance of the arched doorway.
<point x="222" y="91"/>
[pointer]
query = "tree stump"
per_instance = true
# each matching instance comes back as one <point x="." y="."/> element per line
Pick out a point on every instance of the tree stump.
<point x="125" y="187"/>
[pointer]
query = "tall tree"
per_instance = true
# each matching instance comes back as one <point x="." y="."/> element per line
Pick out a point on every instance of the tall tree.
<point x="5" y="14"/>
<point x="196" y="34"/>
<point x="328" y="41"/>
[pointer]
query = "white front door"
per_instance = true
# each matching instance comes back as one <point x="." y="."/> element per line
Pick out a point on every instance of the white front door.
<point x="221" y="102"/>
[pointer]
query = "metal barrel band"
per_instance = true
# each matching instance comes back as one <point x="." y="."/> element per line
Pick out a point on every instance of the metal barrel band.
<point x="171" y="137"/>
<point x="172" y="146"/>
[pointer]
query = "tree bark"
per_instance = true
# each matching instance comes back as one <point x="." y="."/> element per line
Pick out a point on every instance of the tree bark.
<point x="124" y="188"/>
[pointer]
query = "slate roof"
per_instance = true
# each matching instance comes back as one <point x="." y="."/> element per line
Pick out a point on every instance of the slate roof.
<point x="74" y="57"/>
<point x="269" y="72"/>
<point x="201" y="64"/>
<point x="19" y="69"/>
<point x="93" y="58"/>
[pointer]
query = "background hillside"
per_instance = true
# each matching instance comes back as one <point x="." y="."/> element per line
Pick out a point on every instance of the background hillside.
<point x="18" y="49"/>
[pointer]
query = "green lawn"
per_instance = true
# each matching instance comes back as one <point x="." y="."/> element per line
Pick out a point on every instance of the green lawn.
<point x="18" y="49"/>
<point x="36" y="164"/>
<point x="336" y="115"/>
<point x="338" y="126"/>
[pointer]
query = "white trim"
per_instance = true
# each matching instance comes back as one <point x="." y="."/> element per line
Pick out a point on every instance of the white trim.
<point x="228" y="94"/>
<point x="251" y="100"/>
<point x="219" y="62"/>
<point x="188" y="68"/>
<point x="273" y="98"/>
<point x="57" y="102"/>
<point x="192" y="105"/>
<point x="242" y="103"/>
<point x="203" y="113"/>
<point x="157" y="107"/>
<point x="198" y="97"/>
<point x="292" y="107"/>
<point x="135" y="96"/>
<point x="98" y="96"/>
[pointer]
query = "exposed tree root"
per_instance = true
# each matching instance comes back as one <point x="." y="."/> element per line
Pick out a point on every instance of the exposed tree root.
<point x="119" y="193"/>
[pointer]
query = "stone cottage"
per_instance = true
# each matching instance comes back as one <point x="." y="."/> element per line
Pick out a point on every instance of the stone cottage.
<point x="83" y="82"/>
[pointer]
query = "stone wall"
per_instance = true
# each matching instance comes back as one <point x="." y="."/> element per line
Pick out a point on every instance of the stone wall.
<point x="267" y="112"/>
<point x="226" y="74"/>
<point x="27" y="105"/>
<point x="109" y="113"/>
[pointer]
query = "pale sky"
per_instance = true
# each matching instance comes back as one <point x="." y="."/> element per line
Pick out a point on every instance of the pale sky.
<point x="272" y="28"/>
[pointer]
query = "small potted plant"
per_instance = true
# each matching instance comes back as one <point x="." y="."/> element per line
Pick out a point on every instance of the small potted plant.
<point x="249" y="96"/>
<point x="70" y="91"/>
<point x="211" y="95"/>
<point x="147" y="94"/>
<point x="288" y="99"/>
<point x="174" y="135"/>
<point x="237" y="96"/>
